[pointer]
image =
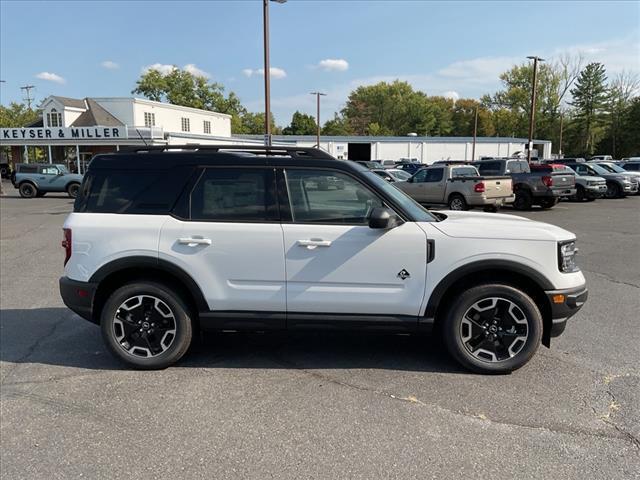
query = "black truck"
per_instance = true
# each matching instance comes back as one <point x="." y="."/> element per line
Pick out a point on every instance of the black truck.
<point x="530" y="188"/>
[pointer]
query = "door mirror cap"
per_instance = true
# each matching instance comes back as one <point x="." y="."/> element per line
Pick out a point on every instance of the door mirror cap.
<point x="383" y="218"/>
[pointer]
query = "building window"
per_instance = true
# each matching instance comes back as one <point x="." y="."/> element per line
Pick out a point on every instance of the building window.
<point x="54" y="119"/>
<point x="207" y="126"/>
<point x="149" y="119"/>
<point x="186" y="126"/>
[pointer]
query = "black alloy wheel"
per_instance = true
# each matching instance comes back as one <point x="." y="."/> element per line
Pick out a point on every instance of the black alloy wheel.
<point x="27" y="190"/>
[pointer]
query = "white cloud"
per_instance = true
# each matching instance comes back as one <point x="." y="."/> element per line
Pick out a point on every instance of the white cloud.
<point x="452" y="94"/>
<point x="333" y="65"/>
<point x="193" y="70"/>
<point x="51" y="77"/>
<point x="276" y="73"/>
<point x="110" y="65"/>
<point x="163" y="68"/>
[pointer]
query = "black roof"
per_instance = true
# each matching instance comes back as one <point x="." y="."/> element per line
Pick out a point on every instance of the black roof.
<point x="167" y="157"/>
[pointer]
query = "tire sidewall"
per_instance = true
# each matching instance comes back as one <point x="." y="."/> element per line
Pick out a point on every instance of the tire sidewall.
<point x="452" y="336"/>
<point x="523" y="200"/>
<point x="25" y="188"/>
<point x="463" y="202"/>
<point x="184" y="327"/>
<point x="73" y="187"/>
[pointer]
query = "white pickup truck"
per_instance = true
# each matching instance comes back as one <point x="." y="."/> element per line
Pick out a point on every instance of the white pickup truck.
<point x="459" y="186"/>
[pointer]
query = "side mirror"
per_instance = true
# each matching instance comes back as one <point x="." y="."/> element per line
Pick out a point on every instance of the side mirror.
<point x="383" y="218"/>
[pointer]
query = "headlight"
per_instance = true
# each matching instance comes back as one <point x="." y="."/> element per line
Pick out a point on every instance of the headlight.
<point x="567" y="252"/>
<point x="591" y="184"/>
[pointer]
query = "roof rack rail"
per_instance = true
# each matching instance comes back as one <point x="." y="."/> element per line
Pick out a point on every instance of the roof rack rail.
<point x="294" y="152"/>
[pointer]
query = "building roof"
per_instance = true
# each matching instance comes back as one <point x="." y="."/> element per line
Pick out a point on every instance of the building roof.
<point x="367" y="139"/>
<point x="70" y="102"/>
<point x="95" y="115"/>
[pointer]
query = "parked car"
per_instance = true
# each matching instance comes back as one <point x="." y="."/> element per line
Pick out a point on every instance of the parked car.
<point x="161" y="245"/>
<point x="601" y="158"/>
<point x="631" y="165"/>
<point x="613" y="168"/>
<point x="410" y="168"/>
<point x="369" y="164"/>
<point x="530" y="188"/>
<point x="38" y="179"/>
<point x="392" y="174"/>
<point x="459" y="186"/>
<point x="618" y="184"/>
<point x="387" y="163"/>
<point x="587" y="187"/>
<point x="5" y="170"/>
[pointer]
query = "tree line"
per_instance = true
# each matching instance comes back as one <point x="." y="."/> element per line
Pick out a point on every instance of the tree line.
<point x="577" y="103"/>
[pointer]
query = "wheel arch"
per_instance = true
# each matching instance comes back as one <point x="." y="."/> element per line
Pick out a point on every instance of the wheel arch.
<point x="114" y="274"/>
<point x="507" y="272"/>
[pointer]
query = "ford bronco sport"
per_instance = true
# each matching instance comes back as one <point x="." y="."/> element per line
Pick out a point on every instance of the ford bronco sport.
<point x="165" y="241"/>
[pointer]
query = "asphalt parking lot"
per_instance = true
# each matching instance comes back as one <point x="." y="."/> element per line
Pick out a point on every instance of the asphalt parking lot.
<point x="318" y="405"/>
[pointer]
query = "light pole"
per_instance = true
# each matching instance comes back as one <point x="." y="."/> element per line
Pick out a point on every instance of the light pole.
<point x="267" y="71"/>
<point x="475" y="135"/>
<point x="532" y="115"/>
<point x="318" y="95"/>
<point x="561" y="125"/>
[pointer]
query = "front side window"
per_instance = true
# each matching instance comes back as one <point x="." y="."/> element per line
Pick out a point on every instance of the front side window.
<point x="186" y="124"/>
<point x="49" y="170"/>
<point x="323" y="196"/>
<point x="434" y="175"/>
<point x="420" y="176"/>
<point x="234" y="195"/>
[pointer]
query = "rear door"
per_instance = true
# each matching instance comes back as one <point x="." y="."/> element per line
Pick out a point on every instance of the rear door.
<point x="231" y="243"/>
<point x="335" y="263"/>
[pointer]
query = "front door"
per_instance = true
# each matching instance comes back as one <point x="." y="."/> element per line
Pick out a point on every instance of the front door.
<point x="232" y="243"/>
<point x="434" y="186"/>
<point x="335" y="263"/>
<point x="416" y="188"/>
<point x="50" y="178"/>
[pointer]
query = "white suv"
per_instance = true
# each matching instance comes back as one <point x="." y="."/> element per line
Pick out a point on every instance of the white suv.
<point x="163" y="242"/>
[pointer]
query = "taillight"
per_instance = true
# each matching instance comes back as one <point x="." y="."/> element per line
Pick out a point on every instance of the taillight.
<point x="479" y="187"/>
<point x="66" y="244"/>
<point x="547" y="180"/>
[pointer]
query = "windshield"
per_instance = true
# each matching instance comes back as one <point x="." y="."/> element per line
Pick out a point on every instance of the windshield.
<point x="599" y="170"/>
<point x="62" y="169"/>
<point x="417" y="211"/>
<point x="612" y="167"/>
<point x="400" y="174"/>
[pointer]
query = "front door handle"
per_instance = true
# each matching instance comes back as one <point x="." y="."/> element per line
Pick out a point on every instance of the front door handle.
<point x="314" y="243"/>
<point x="193" y="242"/>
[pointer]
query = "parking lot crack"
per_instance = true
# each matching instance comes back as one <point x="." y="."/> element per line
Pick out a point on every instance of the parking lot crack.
<point x="610" y="279"/>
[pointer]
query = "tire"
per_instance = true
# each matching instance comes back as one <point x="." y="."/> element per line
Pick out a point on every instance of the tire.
<point x="506" y="351"/>
<point x="27" y="190"/>
<point x="580" y="196"/>
<point x="457" y="202"/>
<point x="547" y="203"/>
<point x="147" y="304"/>
<point x="491" y="209"/>
<point x="613" y="190"/>
<point x="73" y="189"/>
<point x="523" y="200"/>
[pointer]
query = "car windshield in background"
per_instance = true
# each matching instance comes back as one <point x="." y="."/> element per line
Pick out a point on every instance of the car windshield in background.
<point x="419" y="213"/>
<point x="62" y="169"/>
<point x="400" y="175"/>
<point x="599" y="170"/>
<point x="612" y="167"/>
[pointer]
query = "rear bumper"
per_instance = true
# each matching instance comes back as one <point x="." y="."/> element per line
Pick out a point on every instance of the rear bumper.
<point x="564" y="305"/>
<point x="78" y="297"/>
<point x="481" y="201"/>
<point x="563" y="192"/>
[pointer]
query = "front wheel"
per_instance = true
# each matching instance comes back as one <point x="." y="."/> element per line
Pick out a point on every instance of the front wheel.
<point x="27" y="190"/>
<point x="493" y="328"/>
<point x="146" y="326"/>
<point x="457" y="202"/>
<point x="613" y="190"/>
<point x="73" y="189"/>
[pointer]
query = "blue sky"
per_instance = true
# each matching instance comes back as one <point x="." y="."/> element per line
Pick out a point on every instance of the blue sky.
<point x="457" y="48"/>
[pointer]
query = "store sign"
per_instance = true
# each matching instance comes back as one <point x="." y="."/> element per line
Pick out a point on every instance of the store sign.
<point x="70" y="133"/>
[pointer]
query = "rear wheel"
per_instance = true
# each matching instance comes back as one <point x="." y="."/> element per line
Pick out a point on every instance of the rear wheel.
<point x="523" y="200"/>
<point x="493" y="328"/>
<point x="73" y="189"/>
<point x="613" y="190"/>
<point x="547" y="203"/>
<point x="146" y="326"/>
<point x="491" y="208"/>
<point x="457" y="202"/>
<point x="28" y="190"/>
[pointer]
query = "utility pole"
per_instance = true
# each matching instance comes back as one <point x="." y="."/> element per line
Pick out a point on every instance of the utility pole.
<point x="532" y="115"/>
<point x="318" y="95"/>
<point x="27" y="93"/>
<point x="267" y="71"/>
<point x="475" y="135"/>
<point x="561" y="125"/>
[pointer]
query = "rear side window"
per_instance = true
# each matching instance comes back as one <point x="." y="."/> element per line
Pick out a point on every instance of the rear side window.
<point x="131" y="191"/>
<point x="235" y="195"/>
<point x="464" y="172"/>
<point x="28" y="169"/>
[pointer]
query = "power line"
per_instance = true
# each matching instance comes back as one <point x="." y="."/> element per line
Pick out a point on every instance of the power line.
<point x="27" y="93"/>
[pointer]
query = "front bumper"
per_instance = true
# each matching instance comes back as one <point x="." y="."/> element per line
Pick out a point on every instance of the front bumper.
<point x="630" y="187"/>
<point x="78" y="297"/>
<point x="565" y="304"/>
<point x="595" y="191"/>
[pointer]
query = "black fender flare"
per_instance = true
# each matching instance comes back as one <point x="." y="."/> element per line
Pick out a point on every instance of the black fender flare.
<point x="145" y="262"/>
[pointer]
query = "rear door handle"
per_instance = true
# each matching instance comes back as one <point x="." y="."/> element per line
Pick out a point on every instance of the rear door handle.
<point x="193" y="242"/>
<point x="314" y="243"/>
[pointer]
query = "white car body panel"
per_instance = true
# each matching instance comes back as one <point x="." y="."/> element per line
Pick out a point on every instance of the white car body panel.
<point x="358" y="271"/>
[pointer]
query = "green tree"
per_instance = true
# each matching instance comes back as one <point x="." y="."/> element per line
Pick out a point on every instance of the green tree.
<point x="622" y="91"/>
<point x="463" y="118"/>
<point x="590" y="98"/>
<point x="338" y="125"/>
<point x="301" y="124"/>
<point x="16" y="115"/>
<point x="442" y="109"/>
<point x="253" y="124"/>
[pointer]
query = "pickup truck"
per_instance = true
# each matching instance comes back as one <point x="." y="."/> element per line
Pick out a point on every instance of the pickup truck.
<point x="537" y="188"/>
<point x="36" y="180"/>
<point x="588" y="187"/>
<point x="459" y="186"/>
